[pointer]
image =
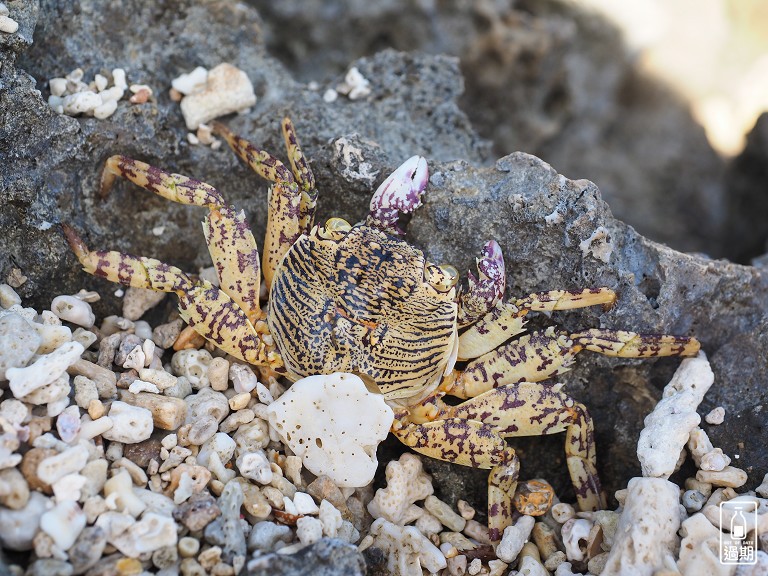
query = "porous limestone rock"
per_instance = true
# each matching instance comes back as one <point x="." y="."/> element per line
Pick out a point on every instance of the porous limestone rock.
<point x="646" y="535"/>
<point x="668" y="427"/>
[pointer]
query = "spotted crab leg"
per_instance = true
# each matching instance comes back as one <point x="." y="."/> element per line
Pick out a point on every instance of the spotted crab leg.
<point x="541" y="355"/>
<point x="485" y="290"/>
<point x="284" y="216"/>
<point x="525" y="409"/>
<point x="507" y="319"/>
<point x="470" y="443"/>
<point x="209" y="310"/>
<point x="230" y="241"/>
<point x="399" y="194"/>
<point x="303" y="175"/>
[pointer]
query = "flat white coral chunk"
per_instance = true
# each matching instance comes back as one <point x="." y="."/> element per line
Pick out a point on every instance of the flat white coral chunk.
<point x="334" y="424"/>
<point x="669" y="426"/>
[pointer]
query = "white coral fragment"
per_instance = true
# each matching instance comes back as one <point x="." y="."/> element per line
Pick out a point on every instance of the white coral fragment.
<point x="45" y="370"/>
<point x="515" y="537"/>
<point x="355" y="85"/>
<point x="407" y="483"/>
<point x="192" y="82"/>
<point x="646" y="535"/>
<point x="599" y="244"/>
<point x="575" y="533"/>
<point x="699" y="550"/>
<point x="130" y="424"/>
<point x="73" y="310"/>
<point x="668" y="427"/>
<point x="335" y="425"/>
<point x="227" y="89"/>
<point x="408" y="549"/>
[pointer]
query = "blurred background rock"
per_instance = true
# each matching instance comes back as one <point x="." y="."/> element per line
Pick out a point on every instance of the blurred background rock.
<point x="651" y="100"/>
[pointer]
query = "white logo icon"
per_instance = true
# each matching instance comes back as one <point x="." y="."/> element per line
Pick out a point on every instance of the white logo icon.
<point x="738" y="536"/>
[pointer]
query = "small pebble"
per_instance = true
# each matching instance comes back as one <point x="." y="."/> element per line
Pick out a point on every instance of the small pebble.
<point x="188" y="547"/>
<point x="762" y="490"/>
<point x="8" y="25"/>
<point x="514" y="538"/>
<point x="562" y="512"/>
<point x="227" y="89"/>
<point x="8" y="297"/>
<point x="716" y="416"/>
<point x="218" y="374"/>
<point x="305" y="504"/>
<point x="444" y="513"/>
<point x="693" y="500"/>
<point x="728" y="476"/>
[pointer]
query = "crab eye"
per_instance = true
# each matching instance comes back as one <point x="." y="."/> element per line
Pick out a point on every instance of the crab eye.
<point x="443" y="277"/>
<point x="335" y="228"/>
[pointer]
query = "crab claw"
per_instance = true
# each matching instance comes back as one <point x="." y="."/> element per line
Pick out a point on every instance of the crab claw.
<point x="486" y="290"/>
<point x="399" y="194"/>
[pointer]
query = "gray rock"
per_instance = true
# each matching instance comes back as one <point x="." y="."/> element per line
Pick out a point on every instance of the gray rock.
<point x="57" y="159"/>
<point x="550" y="78"/>
<point x="326" y="557"/>
<point x="197" y="512"/>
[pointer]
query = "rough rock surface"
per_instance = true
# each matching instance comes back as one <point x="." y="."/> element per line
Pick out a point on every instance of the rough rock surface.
<point x="545" y="77"/>
<point x="50" y="168"/>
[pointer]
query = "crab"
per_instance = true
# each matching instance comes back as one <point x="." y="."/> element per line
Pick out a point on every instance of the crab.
<point x="360" y="299"/>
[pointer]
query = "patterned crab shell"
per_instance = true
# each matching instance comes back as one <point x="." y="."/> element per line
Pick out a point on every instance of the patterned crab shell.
<point x="363" y="301"/>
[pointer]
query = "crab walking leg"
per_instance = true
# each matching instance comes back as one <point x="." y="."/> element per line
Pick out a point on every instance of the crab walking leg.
<point x="284" y="212"/>
<point x="541" y="355"/>
<point x="507" y="319"/>
<point x="210" y="311"/>
<point x="633" y="345"/>
<point x="174" y="187"/>
<point x="469" y="443"/>
<point x="530" y="409"/>
<point x="230" y="241"/>
<point x="303" y="174"/>
<point x="399" y="194"/>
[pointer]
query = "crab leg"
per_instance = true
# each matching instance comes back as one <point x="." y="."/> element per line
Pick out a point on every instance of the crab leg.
<point x="532" y="409"/>
<point x="541" y="355"/>
<point x="399" y="194"/>
<point x="229" y="239"/>
<point x="303" y="174"/>
<point x="284" y="216"/>
<point x="469" y="443"/>
<point x="507" y="319"/>
<point x="210" y="311"/>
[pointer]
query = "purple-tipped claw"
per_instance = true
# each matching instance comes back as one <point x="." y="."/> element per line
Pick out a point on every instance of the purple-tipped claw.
<point x="485" y="291"/>
<point x="399" y="194"/>
<point x="491" y="268"/>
